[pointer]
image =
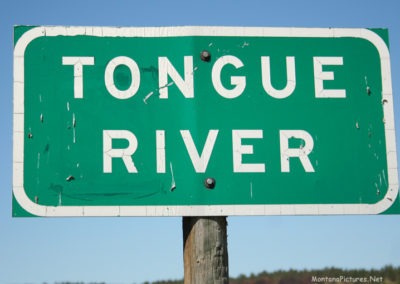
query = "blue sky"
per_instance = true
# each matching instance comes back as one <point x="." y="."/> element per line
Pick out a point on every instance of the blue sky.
<point x="133" y="250"/>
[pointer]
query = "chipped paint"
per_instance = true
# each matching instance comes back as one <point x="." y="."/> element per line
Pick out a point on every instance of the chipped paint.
<point x="245" y="44"/>
<point x="38" y="160"/>
<point x="367" y="87"/>
<point x="148" y="96"/>
<point x="73" y="128"/>
<point x="173" y="184"/>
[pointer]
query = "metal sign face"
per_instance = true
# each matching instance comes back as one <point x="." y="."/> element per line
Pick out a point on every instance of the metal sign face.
<point x="182" y="121"/>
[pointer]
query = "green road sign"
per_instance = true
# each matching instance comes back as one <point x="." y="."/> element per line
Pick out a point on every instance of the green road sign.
<point x="181" y="121"/>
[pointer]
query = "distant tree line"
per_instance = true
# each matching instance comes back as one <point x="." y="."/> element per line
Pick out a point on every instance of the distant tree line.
<point x="386" y="275"/>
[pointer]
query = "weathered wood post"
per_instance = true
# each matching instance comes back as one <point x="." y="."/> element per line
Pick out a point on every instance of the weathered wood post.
<point x="205" y="250"/>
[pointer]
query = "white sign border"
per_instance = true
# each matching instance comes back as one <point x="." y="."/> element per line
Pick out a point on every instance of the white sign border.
<point x="201" y="210"/>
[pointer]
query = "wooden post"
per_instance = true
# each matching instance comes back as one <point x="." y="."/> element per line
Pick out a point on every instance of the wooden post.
<point x="205" y="250"/>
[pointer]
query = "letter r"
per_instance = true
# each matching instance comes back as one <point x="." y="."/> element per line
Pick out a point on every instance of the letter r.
<point x="125" y="154"/>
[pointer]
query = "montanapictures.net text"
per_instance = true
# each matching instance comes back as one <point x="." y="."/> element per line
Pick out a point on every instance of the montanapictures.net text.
<point x="347" y="279"/>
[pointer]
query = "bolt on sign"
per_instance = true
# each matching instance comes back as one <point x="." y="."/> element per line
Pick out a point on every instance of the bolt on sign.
<point x="195" y="121"/>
